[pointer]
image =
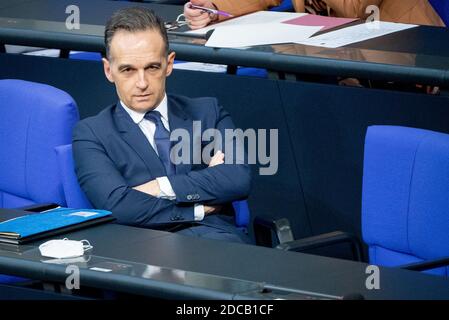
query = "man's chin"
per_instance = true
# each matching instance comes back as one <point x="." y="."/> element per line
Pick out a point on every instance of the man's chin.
<point x="144" y="105"/>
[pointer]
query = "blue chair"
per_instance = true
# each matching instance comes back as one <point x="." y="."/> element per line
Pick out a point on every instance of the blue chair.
<point x="442" y="8"/>
<point x="405" y="200"/>
<point x="286" y="5"/>
<point x="252" y="72"/>
<point x="35" y="118"/>
<point x="83" y="55"/>
<point x="406" y="196"/>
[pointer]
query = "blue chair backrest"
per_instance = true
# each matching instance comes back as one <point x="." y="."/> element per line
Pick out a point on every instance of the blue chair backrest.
<point x="442" y="8"/>
<point x="286" y="5"/>
<point x="73" y="194"/>
<point x="84" y="55"/>
<point x="242" y="213"/>
<point x="405" y="198"/>
<point x="34" y="119"/>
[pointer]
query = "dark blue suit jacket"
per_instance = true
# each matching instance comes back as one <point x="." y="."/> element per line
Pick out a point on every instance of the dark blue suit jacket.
<point x="112" y="155"/>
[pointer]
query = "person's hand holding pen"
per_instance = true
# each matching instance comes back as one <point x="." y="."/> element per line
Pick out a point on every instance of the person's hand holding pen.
<point x="317" y="5"/>
<point x="199" y="13"/>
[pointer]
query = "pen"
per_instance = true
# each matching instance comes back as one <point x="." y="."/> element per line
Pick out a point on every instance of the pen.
<point x="209" y="10"/>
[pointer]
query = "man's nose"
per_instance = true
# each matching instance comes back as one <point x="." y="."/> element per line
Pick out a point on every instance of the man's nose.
<point x="142" y="82"/>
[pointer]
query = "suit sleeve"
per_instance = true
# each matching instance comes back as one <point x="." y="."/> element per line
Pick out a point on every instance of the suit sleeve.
<point x="351" y="8"/>
<point x="220" y="184"/>
<point x="107" y="189"/>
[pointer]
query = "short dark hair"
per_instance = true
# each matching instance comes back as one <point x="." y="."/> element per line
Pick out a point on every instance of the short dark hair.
<point x="133" y="19"/>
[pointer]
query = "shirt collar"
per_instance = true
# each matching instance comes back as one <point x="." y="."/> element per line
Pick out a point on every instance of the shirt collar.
<point x="137" y="116"/>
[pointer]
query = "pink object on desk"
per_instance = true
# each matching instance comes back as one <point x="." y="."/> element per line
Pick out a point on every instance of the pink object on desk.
<point x="315" y="20"/>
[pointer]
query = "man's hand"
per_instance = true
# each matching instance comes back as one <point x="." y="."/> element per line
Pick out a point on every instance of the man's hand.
<point x="152" y="188"/>
<point x="217" y="159"/>
<point x="197" y="18"/>
<point x="211" y="209"/>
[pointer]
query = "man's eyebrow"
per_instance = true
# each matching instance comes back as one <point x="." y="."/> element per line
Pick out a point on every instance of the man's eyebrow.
<point x="156" y="63"/>
<point x="125" y="66"/>
<point x="130" y="66"/>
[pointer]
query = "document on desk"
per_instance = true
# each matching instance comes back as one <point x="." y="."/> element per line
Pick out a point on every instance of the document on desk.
<point x="259" y="17"/>
<point x="199" y="66"/>
<point x="354" y="34"/>
<point x="317" y="20"/>
<point x="259" y="34"/>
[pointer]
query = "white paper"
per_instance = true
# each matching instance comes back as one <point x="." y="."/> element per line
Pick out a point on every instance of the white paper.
<point x="259" y="34"/>
<point x="258" y="17"/>
<point x="199" y="66"/>
<point x="44" y="53"/>
<point x="100" y="269"/>
<point x="353" y="34"/>
<point x="84" y="214"/>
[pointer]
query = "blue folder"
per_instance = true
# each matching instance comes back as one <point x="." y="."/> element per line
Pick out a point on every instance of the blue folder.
<point x="22" y="226"/>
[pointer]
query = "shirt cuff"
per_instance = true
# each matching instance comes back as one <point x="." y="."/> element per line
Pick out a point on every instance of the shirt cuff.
<point x="166" y="189"/>
<point x="198" y="212"/>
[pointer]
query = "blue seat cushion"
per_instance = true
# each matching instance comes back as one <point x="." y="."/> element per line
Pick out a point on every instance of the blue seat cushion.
<point x="388" y="258"/>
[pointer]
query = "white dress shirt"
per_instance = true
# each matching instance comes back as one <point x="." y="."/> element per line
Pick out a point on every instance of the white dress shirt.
<point x="149" y="128"/>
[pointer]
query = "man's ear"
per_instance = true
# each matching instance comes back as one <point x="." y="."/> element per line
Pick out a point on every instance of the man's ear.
<point x="107" y="70"/>
<point x="170" y="62"/>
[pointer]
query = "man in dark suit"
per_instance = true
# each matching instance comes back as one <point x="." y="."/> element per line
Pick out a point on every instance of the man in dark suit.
<point x="122" y="155"/>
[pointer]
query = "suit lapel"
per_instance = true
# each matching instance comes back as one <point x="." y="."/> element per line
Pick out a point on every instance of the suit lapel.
<point x="178" y="119"/>
<point x="135" y="138"/>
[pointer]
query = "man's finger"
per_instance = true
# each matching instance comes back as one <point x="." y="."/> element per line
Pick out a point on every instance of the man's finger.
<point x="194" y="13"/>
<point x="218" y="154"/>
<point x="199" y="23"/>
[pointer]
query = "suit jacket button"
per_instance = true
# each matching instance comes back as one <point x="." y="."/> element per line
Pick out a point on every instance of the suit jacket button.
<point x="189" y="197"/>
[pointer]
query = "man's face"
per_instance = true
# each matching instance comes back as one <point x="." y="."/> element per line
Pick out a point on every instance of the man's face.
<point x="138" y="66"/>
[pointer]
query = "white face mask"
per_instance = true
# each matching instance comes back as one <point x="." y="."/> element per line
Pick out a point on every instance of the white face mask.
<point x="65" y="248"/>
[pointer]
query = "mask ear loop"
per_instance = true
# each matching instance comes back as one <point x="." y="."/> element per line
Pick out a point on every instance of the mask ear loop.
<point x="179" y="22"/>
<point x="87" y="246"/>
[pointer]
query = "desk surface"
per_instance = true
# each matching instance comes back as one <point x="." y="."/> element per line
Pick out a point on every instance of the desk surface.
<point x="418" y="55"/>
<point x="150" y="262"/>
